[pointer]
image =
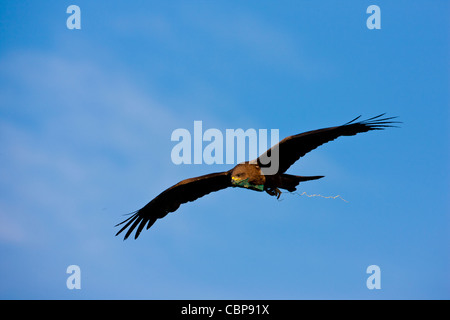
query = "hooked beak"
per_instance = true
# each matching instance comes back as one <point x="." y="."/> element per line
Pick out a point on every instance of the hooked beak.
<point x="236" y="181"/>
<point x="243" y="183"/>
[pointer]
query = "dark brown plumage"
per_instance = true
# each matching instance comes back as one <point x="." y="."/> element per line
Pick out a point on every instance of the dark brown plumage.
<point x="249" y="175"/>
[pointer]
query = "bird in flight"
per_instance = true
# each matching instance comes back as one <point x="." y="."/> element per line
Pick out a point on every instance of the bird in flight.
<point x="249" y="175"/>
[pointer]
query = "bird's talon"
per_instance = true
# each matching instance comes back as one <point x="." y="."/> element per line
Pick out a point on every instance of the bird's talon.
<point x="278" y="193"/>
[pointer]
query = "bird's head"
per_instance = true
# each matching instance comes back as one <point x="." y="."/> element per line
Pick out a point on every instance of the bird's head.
<point x="247" y="176"/>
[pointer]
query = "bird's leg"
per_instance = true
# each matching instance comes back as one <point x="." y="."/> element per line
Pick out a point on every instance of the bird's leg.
<point x="274" y="192"/>
<point x="278" y="192"/>
<point x="270" y="191"/>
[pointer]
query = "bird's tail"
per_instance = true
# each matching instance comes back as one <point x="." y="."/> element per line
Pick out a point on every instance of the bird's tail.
<point x="290" y="182"/>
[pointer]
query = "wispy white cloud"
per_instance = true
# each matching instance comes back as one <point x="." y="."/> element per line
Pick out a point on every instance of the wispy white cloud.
<point x="217" y="29"/>
<point x="69" y="130"/>
<point x="10" y="230"/>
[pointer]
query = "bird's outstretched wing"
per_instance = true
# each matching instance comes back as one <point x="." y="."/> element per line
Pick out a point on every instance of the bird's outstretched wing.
<point x="292" y="148"/>
<point x="170" y="199"/>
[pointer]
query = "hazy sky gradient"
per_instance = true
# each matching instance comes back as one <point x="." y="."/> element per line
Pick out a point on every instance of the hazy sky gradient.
<point x="86" y="118"/>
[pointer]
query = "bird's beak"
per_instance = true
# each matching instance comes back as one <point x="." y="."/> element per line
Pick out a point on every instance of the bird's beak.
<point x="243" y="183"/>
<point x="235" y="181"/>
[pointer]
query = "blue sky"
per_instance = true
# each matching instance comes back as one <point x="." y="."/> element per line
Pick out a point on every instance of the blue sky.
<point x="86" y="118"/>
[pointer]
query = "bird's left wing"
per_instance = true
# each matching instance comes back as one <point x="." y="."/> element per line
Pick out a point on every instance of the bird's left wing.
<point x="170" y="199"/>
<point x="290" y="149"/>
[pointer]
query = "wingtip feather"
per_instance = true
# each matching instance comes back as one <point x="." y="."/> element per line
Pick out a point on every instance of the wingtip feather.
<point x="377" y="122"/>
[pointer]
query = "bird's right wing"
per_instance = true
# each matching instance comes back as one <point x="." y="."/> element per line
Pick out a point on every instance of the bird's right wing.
<point x="290" y="149"/>
<point x="170" y="199"/>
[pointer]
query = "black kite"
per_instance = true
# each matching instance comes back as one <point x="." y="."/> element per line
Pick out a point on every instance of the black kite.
<point x="249" y="174"/>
